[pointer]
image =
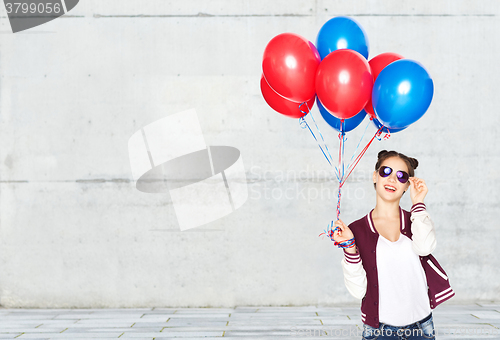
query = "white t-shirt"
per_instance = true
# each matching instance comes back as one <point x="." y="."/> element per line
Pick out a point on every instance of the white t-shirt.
<point x="402" y="284"/>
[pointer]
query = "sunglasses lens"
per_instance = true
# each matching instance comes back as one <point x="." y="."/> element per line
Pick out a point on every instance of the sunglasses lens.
<point x="385" y="171"/>
<point x="402" y="176"/>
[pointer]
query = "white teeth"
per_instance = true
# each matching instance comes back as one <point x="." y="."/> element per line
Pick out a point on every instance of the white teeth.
<point x="390" y="188"/>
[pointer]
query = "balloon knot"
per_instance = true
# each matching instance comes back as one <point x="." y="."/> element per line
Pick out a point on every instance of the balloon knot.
<point x="302" y="122"/>
<point x="307" y="106"/>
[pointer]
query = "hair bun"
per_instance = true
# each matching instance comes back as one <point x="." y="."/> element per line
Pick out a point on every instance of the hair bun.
<point x="414" y="163"/>
<point x="381" y="153"/>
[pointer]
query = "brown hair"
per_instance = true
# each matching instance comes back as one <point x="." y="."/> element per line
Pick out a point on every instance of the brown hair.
<point x="411" y="163"/>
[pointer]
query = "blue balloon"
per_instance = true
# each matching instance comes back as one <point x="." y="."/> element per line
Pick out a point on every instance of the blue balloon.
<point x="402" y="93"/>
<point x="334" y="122"/>
<point x="378" y="125"/>
<point x="339" y="33"/>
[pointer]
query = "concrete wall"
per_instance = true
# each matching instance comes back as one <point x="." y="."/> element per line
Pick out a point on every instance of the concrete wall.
<point x="74" y="231"/>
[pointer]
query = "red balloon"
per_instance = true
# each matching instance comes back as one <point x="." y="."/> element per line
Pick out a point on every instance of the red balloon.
<point x="344" y="83"/>
<point x="289" y="64"/>
<point x="377" y="64"/>
<point x="281" y="104"/>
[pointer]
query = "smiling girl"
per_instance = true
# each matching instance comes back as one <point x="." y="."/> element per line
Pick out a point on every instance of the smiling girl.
<point x="389" y="266"/>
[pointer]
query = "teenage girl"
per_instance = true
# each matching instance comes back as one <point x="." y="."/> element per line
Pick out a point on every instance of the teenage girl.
<point x="389" y="266"/>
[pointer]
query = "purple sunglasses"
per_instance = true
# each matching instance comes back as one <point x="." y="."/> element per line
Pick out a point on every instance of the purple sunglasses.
<point x="385" y="171"/>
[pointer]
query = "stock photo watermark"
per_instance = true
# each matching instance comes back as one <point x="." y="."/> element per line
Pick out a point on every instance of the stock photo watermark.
<point x="26" y="14"/>
<point x="170" y="157"/>
<point x="343" y="332"/>
<point x="306" y="184"/>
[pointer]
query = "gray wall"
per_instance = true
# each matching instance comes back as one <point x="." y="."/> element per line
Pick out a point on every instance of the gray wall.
<point x="74" y="231"/>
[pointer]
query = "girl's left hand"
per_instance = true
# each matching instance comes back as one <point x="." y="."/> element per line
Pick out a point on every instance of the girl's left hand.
<point x="418" y="190"/>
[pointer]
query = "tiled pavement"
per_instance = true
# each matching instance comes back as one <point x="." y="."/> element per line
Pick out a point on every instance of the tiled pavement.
<point x="451" y="322"/>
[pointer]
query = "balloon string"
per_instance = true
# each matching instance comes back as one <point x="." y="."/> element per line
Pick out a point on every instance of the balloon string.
<point x="386" y="136"/>
<point x="330" y="232"/>
<point x="317" y="128"/>
<point x="341" y="163"/>
<point x="359" y="143"/>
<point x="342" y="128"/>
<point x="361" y="154"/>
<point x="341" y="153"/>
<point x="350" y="169"/>
<point x="338" y="202"/>
<point x="303" y="125"/>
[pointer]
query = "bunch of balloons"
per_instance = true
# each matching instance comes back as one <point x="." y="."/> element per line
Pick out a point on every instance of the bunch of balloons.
<point x="394" y="92"/>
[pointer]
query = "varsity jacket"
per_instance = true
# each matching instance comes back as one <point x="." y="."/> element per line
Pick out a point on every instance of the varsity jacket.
<point x="360" y="269"/>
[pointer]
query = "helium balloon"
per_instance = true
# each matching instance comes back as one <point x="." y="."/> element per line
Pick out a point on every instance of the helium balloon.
<point x="344" y="83"/>
<point x="289" y="64"/>
<point x="283" y="105"/>
<point x="339" y="33"/>
<point x="334" y="122"/>
<point x="377" y="64"/>
<point x="378" y="125"/>
<point x="402" y="93"/>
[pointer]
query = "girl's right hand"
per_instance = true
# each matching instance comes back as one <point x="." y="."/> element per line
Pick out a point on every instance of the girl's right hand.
<point x="344" y="233"/>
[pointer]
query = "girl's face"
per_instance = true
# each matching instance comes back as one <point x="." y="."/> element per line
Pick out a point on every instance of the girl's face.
<point x="390" y="188"/>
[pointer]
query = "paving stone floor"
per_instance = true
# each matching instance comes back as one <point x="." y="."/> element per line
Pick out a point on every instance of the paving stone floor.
<point x="477" y="321"/>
